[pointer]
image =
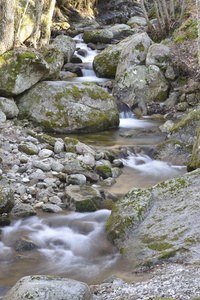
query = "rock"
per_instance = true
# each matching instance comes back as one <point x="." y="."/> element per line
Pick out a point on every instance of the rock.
<point x="41" y="165"/>
<point x="104" y="36"/>
<point x="195" y="158"/>
<point x="172" y="100"/>
<point x="174" y="152"/>
<point x="28" y="148"/>
<point x="51" y="208"/>
<point x="186" y="129"/>
<point x="59" y="146"/>
<point x="104" y="171"/>
<point x="158" y="55"/>
<point x="74" y="166"/>
<point x="57" y="166"/>
<point x="35" y="287"/>
<point x="45" y="153"/>
<point x="120" y="30"/>
<point x="25" y="244"/>
<point x="21" y="70"/>
<point x="55" y="59"/>
<point x="141" y="84"/>
<point x="2" y="117"/>
<point x="65" y="108"/>
<point x="169" y="73"/>
<point x="87" y="159"/>
<point x="8" y="107"/>
<point x="6" y="199"/>
<point x="87" y="198"/>
<point x="170" y="226"/>
<point x="133" y="54"/>
<point x="140" y="21"/>
<point x="55" y="200"/>
<point x="77" y="179"/>
<point x="105" y="63"/>
<point x="182" y="106"/>
<point x="23" y="210"/>
<point x="128" y="213"/>
<point x="66" y="45"/>
<point x="167" y="126"/>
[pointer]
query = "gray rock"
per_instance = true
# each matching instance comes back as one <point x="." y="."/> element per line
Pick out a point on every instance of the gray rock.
<point x="55" y="59"/>
<point x="6" y="199"/>
<point x="20" y="71"/>
<point x="55" y="200"/>
<point x="9" y="107"/>
<point x="141" y="83"/>
<point x="28" y="148"/>
<point x="134" y="53"/>
<point x="66" y="45"/>
<point x="65" y="108"/>
<point x="57" y="166"/>
<point x="49" y="287"/>
<point x="120" y="30"/>
<point x="38" y="174"/>
<point x="76" y="179"/>
<point x="44" y="153"/>
<point x="2" y="116"/>
<point x="87" y="159"/>
<point x="22" y="210"/>
<point x="25" y="244"/>
<point x="168" y="228"/>
<point x="59" y="146"/>
<point x="167" y="126"/>
<point x="51" y="208"/>
<point x="41" y="165"/>
<point x="140" y="21"/>
<point x="158" y="55"/>
<point x="104" y="36"/>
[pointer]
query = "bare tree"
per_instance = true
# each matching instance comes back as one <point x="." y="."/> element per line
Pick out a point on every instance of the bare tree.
<point x="7" y="12"/>
<point x="198" y="20"/>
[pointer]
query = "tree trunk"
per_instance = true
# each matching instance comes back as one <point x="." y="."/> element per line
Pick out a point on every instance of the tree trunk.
<point x="49" y="6"/>
<point x="36" y="31"/>
<point x="198" y="20"/>
<point x="7" y="13"/>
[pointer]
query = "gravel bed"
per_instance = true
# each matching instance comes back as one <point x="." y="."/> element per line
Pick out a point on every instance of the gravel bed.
<point x="168" y="280"/>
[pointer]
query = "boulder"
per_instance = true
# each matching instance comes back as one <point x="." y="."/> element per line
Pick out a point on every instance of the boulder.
<point x="21" y="70"/>
<point x="159" y="223"/>
<point x="66" y="45"/>
<point x="105" y="63"/>
<point x="195" y="158"/>
<point x="141" y="84"/>
<point x="55" y="59"/>
<point x="186" y="129"/>
<point x="49" y="287"/>
<point x="6" y="199"/>
<point x="173" y="151"/>
<point x="136" y="20"/>
<point x="120" y="30"/>
<point x="158" y="55"/>
<point x="68" y="108"/>
<point x="9" y="107"/>
<point x="104" y="36"/>
<point x="87" y="198"/>
<point x="28" y="148"/>
<point x="134" y="53"/>
<point x="2" y="117"/>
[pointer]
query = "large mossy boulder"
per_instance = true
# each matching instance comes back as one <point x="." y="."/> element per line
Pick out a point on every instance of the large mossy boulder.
<point x="55" y="59"/>
<point x="21" y="70"/>
<point x="169" y="226"/>
<point x="104" y="36"/>
<point x="66" y="45"/>
<point x="49" y="287"/>
<point x="105" y="63"/>
<point x="141" y="82"/>
<point x="6" y="199"/>
<point x="65" y="108"/>
<point x="134" y="53"/>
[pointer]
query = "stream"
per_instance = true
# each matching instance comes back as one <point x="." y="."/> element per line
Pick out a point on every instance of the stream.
<point x="74" y="244"/>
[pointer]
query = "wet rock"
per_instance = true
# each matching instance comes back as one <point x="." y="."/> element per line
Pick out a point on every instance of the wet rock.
<point x="25" y="244"/>
<point x="54" y="288"/>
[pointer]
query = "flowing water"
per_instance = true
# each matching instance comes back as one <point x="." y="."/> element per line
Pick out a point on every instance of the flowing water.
<point x="74" y="244"/>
